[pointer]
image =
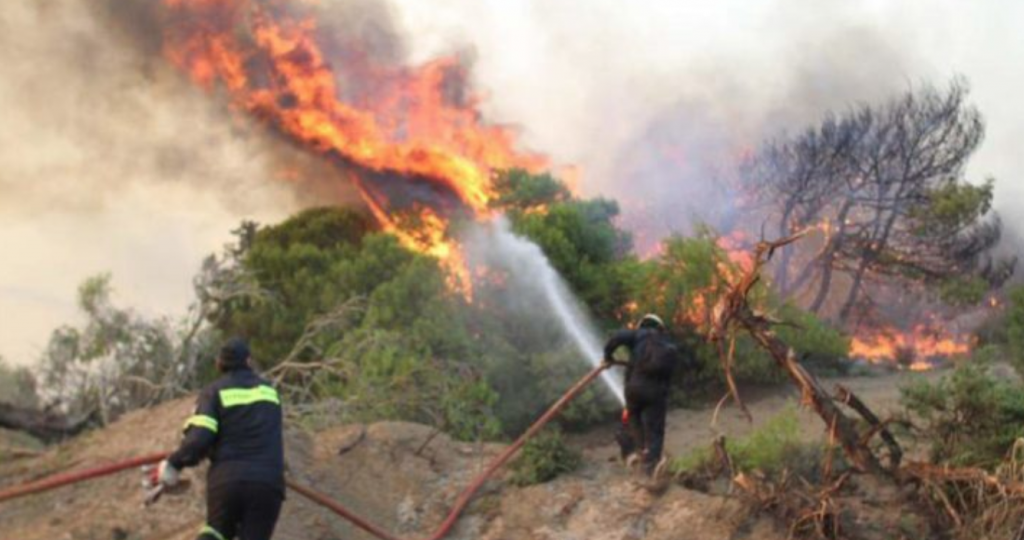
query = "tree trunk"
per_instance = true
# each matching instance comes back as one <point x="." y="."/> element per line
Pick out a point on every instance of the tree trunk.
<point x="45" y="426"/>
<point x="843" y="428"/>
<point x="876" y="246"/>
<point x="782" y="276"/>
<point x="733" y="311"/>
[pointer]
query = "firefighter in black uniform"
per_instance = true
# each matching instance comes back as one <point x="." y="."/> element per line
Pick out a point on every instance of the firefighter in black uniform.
<point x="238" y="425"/>
<point x="652" y="360"/>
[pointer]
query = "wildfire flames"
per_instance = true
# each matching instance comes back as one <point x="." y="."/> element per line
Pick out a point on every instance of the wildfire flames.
<point x="914" y="348"/>
<point x="418" y="128"/>
<point x="379" y="119"/>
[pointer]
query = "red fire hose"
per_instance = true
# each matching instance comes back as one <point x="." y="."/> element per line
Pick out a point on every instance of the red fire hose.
<point x="59" y="480"/>
<point x="323" y="500"/>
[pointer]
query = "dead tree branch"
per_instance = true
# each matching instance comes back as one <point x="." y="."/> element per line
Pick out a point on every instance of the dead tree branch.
<point x="733" y="311"/>
<point x="877" y="426"/>
<point x="43" y="425"/>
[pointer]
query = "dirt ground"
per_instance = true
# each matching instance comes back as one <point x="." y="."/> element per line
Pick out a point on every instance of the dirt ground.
<point x="687" y="429"/>
<point x="404" y="477"/>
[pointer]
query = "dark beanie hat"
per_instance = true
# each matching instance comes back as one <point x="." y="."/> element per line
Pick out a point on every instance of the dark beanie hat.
<point x="234" y="353"/>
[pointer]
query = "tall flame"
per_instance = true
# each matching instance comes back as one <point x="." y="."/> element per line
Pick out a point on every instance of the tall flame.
<point x="268" y="62"/>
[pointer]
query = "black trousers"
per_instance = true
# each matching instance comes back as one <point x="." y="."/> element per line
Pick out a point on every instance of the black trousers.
<point x="647" y="407"/>
<point x="244" y="510"/>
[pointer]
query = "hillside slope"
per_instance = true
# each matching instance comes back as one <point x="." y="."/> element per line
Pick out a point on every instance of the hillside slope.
<point x="402" y="476"/>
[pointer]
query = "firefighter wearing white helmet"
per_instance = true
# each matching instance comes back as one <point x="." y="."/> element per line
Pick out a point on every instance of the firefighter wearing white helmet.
<point x="652" y="360"/>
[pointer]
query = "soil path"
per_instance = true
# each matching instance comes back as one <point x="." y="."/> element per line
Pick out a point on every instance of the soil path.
<point x="691" y="428"/>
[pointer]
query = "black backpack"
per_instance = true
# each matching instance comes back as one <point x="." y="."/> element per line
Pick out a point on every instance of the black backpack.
<point x="656" y="357"/>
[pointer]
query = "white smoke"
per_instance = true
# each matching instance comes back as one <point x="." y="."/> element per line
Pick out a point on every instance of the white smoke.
<point x="652" y="99"/>
<point x="109" y="161"/>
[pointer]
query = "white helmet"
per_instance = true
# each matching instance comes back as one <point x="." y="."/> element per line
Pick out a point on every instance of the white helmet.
<point x="651" y="321"/>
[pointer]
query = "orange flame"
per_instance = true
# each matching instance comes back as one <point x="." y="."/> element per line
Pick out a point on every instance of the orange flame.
<point x="269" y="64"/>
<point x="737" y="246"/>
<point x="917" y="346"/>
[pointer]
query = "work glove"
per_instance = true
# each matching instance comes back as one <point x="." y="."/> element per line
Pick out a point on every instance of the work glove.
<point x="167" y="475"/>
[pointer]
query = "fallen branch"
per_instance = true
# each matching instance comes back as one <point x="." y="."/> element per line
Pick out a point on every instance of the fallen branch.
<point x="980" y="503"/>
<point x="733" y="311"/>
<point x="877" y="426"/>
<point x="43" y="425"/>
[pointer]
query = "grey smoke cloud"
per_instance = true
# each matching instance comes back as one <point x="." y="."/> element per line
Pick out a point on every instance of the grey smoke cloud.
<point x="615" y="86"/>
<point x="109" y="161"/>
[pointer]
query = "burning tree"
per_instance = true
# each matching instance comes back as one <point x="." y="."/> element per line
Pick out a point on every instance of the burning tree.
<point x="886" y="186"/>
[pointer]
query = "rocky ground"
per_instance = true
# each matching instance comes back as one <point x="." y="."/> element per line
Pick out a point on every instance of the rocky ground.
<point x="405" y="477"/>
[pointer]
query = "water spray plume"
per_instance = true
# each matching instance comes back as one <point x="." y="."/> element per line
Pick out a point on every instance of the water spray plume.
<point x="535" y="280"/>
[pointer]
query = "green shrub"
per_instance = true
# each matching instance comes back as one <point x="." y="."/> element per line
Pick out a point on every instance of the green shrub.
<point x="385" y="377"/>
<point x="17" y="385"/>
<point x="771" y="448"/>
<point x="680" y="285"/>
<point x="969" y="418"/>
<point x="818" y="344"/>
<point x="543" y="458"/>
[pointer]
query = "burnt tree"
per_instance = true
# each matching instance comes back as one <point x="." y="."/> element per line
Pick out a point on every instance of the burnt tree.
<point x="886" y="185"/>
<point x="733" y="313"/>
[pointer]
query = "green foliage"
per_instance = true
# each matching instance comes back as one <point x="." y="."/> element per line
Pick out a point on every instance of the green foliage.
<point x="468" y="409"/>
<point x="766" y="448"/>
<point x="771" y="448"/>
<point x="385" y="377"/>
<point x="682" y="280"/>
<point x="543" y="458"/>
<point x="963" y="291"/>
<point x="18" y="385"/>
<point x="970" y="418"/>
<point x="953" y="205"/>
<point x="308" y="265"/>
<point x="553" y="371"/>
<point x="406" y="354"/>
<point x="99" y="366"/>
<point x="518" y="190"/>
<point x="817" y="343"/>
<point x="578" y="236"/>
<point x="584" y="245"/>
<point x="681" y="285"/>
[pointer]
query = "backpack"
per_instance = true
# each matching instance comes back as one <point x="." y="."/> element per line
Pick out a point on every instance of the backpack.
<point x="656" y="357"/>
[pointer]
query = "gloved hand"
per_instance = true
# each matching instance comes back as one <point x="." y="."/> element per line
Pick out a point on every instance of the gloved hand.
<point x="167" y="475"/>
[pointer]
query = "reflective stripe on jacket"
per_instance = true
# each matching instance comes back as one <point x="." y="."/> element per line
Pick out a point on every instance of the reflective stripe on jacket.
<point x="238" y="425"/>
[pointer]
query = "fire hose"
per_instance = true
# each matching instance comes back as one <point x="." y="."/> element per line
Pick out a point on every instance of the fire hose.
<point x="465" y="497"/>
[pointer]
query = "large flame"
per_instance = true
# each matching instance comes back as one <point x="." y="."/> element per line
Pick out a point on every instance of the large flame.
<point x="268" y="62"/>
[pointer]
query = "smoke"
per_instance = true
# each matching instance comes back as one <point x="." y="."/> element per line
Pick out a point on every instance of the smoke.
<point x="110" y="161"/>
<point x="656" y="100"/>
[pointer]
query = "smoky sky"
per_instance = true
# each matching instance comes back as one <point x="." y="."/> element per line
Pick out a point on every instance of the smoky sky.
<point x="655" y="100"/>
<point x="110" y="161"/>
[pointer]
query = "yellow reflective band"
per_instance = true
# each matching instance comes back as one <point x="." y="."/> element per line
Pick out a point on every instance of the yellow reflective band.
<point x="203" y="421"/>
<point x="212" y="532"/>
<point x="233" y="397"/>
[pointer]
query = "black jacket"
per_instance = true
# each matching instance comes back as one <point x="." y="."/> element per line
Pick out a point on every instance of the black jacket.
<point x="238" y="425"/>
<point x="652" y="358"/>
